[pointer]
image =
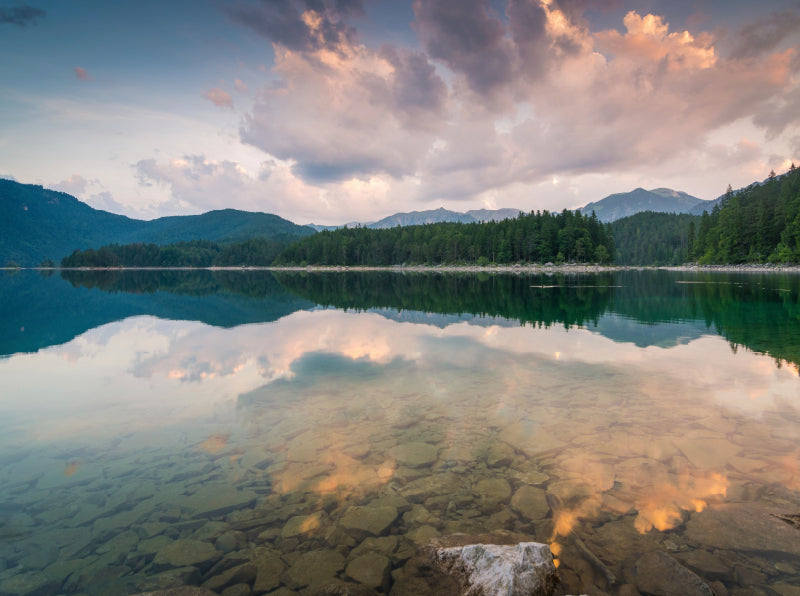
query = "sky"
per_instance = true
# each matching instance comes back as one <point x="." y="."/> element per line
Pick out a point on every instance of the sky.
<point x="332" y="111"/>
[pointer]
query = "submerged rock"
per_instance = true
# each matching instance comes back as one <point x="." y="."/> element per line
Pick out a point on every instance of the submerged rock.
<point x="658" y="573"/>
<point x="524" y="569"/>
<point x="182" y="591"/>
<point x="530" y="502"/>
<point x="415" y="454"/>
<point x="184" y="553"/>
<point x="369" y="519"/>
<point x="371" y="570"/>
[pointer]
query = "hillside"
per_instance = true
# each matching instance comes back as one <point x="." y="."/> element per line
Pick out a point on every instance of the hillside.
<point x="38" y="224"/>
<point x="755" y="224"/>
<point x="659" y="200"/>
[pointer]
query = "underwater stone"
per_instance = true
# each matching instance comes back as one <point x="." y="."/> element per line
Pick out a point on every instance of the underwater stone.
<point x="658" y="573"/>
<point x="237" y="590"/>
<point x="241" y="574"/>
<point x="304" y="524"/>
<point x="370" y="519"/>
<point x="525" y="569"/>
<point x="493" y="492"/>
<point x="269" y="568"/>
<point x="315" y="568"/>
<point x="183" y="553"/>
<point x="371" y="569"/>
<point x="416" y="454"/>
<point x="385" y="545"/>
<point x="530" y="502"/>
<point x="230" y="541"/>
<point x="29" y="583"/>
<point x="181" y="591"/>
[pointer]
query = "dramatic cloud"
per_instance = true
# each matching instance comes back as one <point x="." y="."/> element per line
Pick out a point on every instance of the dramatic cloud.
<point x="299" y="25"/>
<point x="353" y="112"/>
<point x="219" y="97"/>
<point x="498" y="100"/>
<point x="21" y="15"/>
<point x="764" y="35"/>
<point x="81" y="74"/>
<point x="469" y="38"/>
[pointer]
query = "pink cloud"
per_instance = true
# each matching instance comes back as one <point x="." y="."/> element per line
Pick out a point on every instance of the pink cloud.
<point x="447" y="123"/>
<point x="81" y="74"/>
<point x="219" y="97"/>
<point x="240" y="85"/>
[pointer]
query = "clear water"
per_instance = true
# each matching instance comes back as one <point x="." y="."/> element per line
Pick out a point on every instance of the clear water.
<point x="296" y="430"/>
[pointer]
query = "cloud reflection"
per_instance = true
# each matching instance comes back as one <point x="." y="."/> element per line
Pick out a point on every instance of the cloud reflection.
<point x="329" y="396"/>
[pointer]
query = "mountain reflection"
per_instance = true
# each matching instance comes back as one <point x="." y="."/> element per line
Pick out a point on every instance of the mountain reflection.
<point x="663" y="308"/>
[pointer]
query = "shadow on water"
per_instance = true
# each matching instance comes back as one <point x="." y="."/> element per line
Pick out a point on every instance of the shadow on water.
<point x="759" y="312"/>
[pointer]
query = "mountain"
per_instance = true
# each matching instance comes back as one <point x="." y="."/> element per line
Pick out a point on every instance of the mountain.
<point x="440" y="215"/>
<point x="416" y="218"/>
<point x="493" y="214"/>
<point x="37" y="224"/>
<point x="660" y="200"/>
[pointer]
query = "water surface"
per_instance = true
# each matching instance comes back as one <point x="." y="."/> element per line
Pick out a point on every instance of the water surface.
<point x="165" y="428"/>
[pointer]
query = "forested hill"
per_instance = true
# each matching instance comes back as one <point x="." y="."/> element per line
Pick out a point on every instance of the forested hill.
<point x="756" y="224"/>
<point x="649" y="238"/>
<point x="533" y="238"/>
<point x="38" y="224"/>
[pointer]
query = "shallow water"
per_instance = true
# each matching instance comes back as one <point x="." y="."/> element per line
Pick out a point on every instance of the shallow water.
<point x="313" y="429"/>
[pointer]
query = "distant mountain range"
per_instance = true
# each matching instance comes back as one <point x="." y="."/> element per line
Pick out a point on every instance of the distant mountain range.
<point x="440" y="215"/>
<point x="38" y="224"/>
<point x="661" y="200"/>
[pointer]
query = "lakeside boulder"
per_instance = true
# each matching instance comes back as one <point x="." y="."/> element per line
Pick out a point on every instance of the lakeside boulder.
<point x="523" y="569"/>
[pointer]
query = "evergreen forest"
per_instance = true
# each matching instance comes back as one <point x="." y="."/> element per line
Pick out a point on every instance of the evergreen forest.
<point x="757" y="224"/>
<point x="536" y="237"/>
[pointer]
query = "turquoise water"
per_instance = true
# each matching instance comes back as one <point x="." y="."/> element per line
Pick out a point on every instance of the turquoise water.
<point x="280" y="433"/>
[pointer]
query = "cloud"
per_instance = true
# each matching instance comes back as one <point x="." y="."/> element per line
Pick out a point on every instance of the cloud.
<point x="241" y="86"/>
<point x="197" y="183"/>
<point x="81" y="74"/>
<point x="21" y="15"/>
<point x="75" y="185"/>
<point x="469" y="38"/>
<point x="299" y="25"/>
<point x="764" y="35"/>
<point x="105" y="200"/>
<point x="353" y="112"/>
<point x="219" y="97"/>
<point x="493" y="102"/>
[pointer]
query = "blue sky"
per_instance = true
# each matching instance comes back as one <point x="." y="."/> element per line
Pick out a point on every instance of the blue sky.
<point x="339" y="110"/>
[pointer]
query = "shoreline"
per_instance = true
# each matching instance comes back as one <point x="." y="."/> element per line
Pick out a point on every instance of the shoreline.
<point x="516" y="268"/>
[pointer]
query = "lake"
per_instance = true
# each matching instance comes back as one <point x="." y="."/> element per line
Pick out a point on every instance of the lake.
<point x="277" y="432"/>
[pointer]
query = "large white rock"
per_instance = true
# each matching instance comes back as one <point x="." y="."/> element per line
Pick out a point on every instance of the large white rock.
<point x="524" y="569"/>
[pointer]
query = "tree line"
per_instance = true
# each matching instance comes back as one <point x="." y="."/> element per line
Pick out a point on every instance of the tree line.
<point x="535" y="237"/>
<point x="650" y="238"/>
<point x="257" y="252"/>
<point x="757" y="224"/>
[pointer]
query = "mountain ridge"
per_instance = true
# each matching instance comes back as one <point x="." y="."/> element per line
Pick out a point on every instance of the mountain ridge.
<point x="660" y="200"/>
<point x="38" y="224"/>
<point x="428" y="216"/>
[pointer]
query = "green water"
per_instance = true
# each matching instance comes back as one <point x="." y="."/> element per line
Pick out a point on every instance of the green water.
<point x="266" y="433"/>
